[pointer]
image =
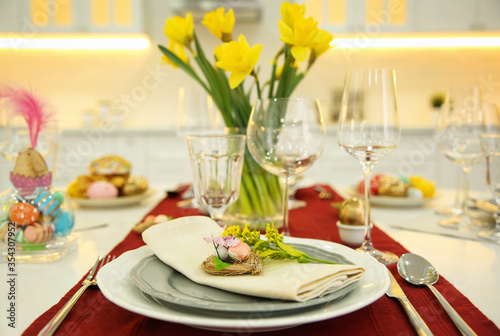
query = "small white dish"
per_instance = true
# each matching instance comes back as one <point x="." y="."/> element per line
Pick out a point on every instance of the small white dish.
<point x="352" y="235"/>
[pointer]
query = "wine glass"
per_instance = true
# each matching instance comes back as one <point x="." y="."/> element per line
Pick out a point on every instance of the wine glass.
<point x="197" y="114"/>
<point x="293" y="203"/>
<point x="286" y="136"/>
<point x="369" y="130"/>
<point x="457" y="135"/>
<point x="217" y="163"/>
<point x="490" y="142"/>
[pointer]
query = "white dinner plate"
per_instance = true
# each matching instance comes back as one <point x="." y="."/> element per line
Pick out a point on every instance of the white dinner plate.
<point x="391" y="201"/>
<point x="162" y="282"/>
<point x="113" y="202"/>
<point x="118" y="287"/>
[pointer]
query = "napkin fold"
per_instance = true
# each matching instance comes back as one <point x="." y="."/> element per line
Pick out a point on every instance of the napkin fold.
<point x="179" y="243"/>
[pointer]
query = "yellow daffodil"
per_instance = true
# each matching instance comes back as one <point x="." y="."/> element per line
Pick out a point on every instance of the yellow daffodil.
<point x="220" y="25"/>
<point x="238" y="58"/>
<point x="291" y="11"/>
<point x="178" y="50"/>
<point x="180" y="30"/>
<point x="297" y="31"/>
<point x="322" y="42"/>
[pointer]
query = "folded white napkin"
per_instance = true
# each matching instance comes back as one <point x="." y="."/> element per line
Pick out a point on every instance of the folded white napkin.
<point x="179" y="243"/>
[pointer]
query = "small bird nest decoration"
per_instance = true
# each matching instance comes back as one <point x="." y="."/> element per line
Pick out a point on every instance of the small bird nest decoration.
<point x="252" y="265"/>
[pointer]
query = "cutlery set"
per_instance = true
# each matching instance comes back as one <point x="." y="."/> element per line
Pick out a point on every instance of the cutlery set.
<point x="90" y="280"/>
<point x="418" y="271"/>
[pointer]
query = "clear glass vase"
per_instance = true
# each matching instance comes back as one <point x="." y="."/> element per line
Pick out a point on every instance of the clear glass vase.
<point x="260" y="199"/>
<point x="36" y="228"/>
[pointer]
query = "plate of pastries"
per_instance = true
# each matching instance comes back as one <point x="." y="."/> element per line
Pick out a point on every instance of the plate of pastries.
<point x="397" y="191"/>
<point x="109" y="183"/>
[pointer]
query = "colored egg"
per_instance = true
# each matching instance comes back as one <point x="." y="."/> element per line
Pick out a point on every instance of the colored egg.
<point x="4" y="230"/>
<point x="47" y="203"/>
<point x="20" y="236"/>
<point x="102" y="190"/>
<point x="63" y="224"/>
<point x="38" y="232"/>
<point x="6" y="202"/>
<point x="60" y="196"/>
<point x="24" y="213"/>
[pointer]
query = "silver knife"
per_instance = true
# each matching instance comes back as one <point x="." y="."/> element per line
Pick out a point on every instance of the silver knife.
<point x="395" y="291"/>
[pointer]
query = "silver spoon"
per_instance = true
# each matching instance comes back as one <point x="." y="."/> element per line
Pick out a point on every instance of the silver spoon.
<point x="418" y="271"/>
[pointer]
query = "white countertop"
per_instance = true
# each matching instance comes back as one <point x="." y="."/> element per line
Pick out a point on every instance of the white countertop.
<point x="473" y="267"/>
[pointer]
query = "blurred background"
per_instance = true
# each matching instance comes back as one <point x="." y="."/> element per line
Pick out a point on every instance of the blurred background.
<point x="101" y="90"/>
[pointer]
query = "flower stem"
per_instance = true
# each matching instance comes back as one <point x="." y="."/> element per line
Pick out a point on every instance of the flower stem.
<point x="257" y="83"/>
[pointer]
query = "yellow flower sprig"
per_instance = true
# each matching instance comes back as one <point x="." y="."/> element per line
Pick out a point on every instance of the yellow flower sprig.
<point x="273" y="247"/>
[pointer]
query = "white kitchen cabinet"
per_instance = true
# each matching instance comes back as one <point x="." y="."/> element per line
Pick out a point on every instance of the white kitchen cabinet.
<point x="163" y="158"/>
<point x="71" y="16"/>
<point x="445" y="15"/>
<point x="372" y="17"/>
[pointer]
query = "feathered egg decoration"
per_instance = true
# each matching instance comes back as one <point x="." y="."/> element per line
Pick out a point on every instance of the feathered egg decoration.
<point x="30" y="170"/>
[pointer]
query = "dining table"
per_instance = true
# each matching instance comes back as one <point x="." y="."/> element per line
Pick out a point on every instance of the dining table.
<point x="469" y="272"/>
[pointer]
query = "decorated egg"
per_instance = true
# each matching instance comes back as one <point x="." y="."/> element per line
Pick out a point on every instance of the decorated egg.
<point x="428" y="188"/>
<point x="47" y="203"/>
<point x="20" y="236"/>
<point x="102" y="190"/>
<point x="23" y="213"/>
<point x="351" y="211"/>
<point x="4" y="230"/>
<point x="5" y="204"/>
<point x="59" y="195"/>
<point x="392" y="186"/>
<point x="63" y="224"/>
<point x="38" y="232"/>
<point x="415" y="193"/>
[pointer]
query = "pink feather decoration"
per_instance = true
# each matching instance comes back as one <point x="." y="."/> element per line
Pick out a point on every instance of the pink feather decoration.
<point x="27" y="105"/>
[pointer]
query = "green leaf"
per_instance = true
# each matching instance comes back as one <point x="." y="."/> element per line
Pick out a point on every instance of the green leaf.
<point x="290" y="250"/>
<point x="273" y="254"/>
<point x="219" y="264"/>
<point x="180" y="63"/>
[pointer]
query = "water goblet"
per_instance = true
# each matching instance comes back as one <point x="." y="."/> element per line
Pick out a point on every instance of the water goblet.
<point x="490" y="142"/>
<point x="217" y="164"/>
<point x="457" y="135"/>
<point x="369" y="130"/>
<point x="491" y="147"/>
<point x="285" y="136"/>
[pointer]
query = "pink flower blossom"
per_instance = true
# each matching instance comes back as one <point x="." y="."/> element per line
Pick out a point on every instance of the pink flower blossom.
<point x="223" y="241"/>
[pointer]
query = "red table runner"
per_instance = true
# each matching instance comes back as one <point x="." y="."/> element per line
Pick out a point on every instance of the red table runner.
<point x="95" y="315"/>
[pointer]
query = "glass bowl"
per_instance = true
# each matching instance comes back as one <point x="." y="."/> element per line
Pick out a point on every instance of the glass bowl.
<point x="36" y="227"/>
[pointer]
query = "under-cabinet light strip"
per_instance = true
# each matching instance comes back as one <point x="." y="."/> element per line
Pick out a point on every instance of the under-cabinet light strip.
<point x="417" y="42"/>
<point x="78" y="43"/>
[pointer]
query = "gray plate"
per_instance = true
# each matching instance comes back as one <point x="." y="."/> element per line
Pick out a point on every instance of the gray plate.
<point x="166" y="286"/>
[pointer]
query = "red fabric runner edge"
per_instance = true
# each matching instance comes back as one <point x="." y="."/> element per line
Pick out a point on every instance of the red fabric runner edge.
<point x="95" y="315"/>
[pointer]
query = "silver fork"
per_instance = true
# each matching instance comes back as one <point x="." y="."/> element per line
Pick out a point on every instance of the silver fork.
<point x="53" y="324"/>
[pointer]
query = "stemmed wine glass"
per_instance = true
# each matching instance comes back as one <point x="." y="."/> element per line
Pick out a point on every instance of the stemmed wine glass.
<point x="490" y="141"/>
<point x="369" y="130"/>
<point x="285" y="137"/>
<point x="217" y="163"/>
<point x="457" y="135"/>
